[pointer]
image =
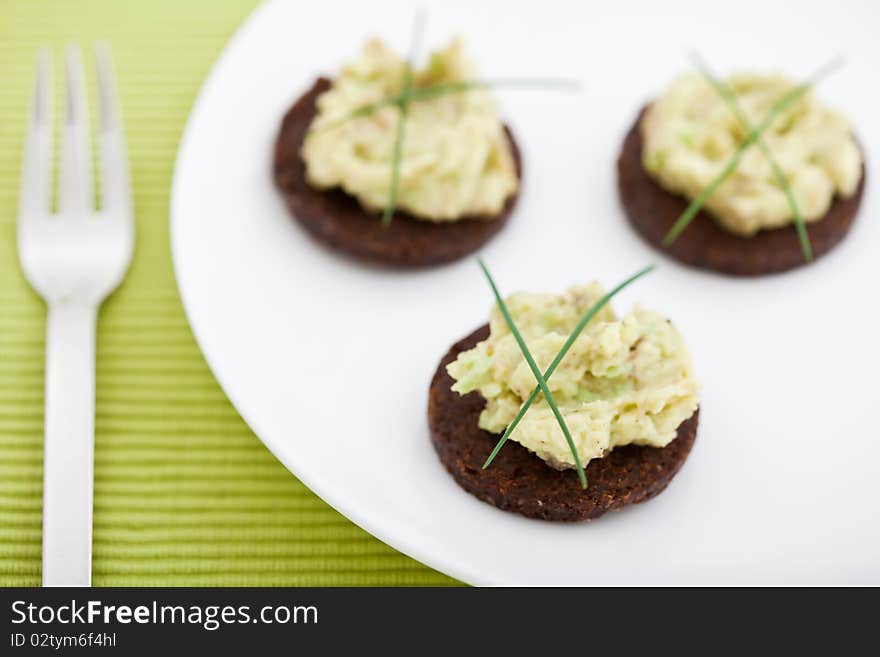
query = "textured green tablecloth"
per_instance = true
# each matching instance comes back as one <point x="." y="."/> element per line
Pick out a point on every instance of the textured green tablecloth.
<point x="185" y="494"/>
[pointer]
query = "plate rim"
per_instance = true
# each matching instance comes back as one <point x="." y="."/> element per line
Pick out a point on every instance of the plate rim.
<point x="397" y="543"/>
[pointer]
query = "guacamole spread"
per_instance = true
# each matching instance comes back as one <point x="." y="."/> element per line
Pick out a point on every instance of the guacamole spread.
<point x="690" y="133"/>
<point x="456" y="158"/>
<point x="624" y="381"/>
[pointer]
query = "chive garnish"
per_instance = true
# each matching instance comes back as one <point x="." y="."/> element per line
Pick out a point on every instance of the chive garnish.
<point x="449" y="88"/>
<point x="542" y="383"/>
<point x="434" y="91"/>
<point x="753" y="136"/>
<point x="402" y="112"/>
<point x="408" y="95"/>
<point x="582" y="323"/>
<point x="728" y="95"/>
<point x="388" y="212"/>
<point x="364" y="110"/>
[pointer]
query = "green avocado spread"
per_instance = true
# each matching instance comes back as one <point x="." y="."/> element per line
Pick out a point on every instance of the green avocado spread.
<point x="456" y="159"/>
<point x="624" y="381"/>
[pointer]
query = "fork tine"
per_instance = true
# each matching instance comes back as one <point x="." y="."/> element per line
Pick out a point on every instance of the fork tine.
<point x="115" y="194"/>
<point x="36" y="171"/>
<point x="75" y="190"/>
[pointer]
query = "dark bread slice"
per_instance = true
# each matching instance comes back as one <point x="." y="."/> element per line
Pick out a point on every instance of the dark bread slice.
<point x="338" y="220"/>
<point x="519" y="481"/>
<point x="652" y="211"/>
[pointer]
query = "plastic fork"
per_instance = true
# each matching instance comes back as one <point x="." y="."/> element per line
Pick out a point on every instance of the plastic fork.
<point x="73" y="258"/>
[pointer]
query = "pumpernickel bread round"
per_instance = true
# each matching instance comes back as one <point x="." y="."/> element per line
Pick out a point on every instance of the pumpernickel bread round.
<point x="519" y="481"/>
<point x="652" y="211"/>
<point x="339" y="221"/>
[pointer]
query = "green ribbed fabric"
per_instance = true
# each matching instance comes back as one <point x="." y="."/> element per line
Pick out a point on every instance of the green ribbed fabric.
<point x="185" y="494"/>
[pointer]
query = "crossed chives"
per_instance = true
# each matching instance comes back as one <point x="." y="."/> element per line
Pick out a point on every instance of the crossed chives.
<point x="754" y="136"/>
<point x="408" y="95"/>
<point x="542" y="378"/>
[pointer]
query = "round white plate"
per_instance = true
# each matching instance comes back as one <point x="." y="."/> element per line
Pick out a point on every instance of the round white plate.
<point x="329" y="361"/>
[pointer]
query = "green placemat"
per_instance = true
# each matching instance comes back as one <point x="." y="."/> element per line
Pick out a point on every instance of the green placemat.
<point x="185" y="494"/>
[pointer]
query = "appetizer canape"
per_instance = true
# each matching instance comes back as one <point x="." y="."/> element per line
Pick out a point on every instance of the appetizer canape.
<point x="618" y="423"/>
<point x="779" y="176"/>
<point x="398" y="166"/>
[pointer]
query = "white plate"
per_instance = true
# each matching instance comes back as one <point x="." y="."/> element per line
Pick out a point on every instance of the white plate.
<point x="329" y="361"/>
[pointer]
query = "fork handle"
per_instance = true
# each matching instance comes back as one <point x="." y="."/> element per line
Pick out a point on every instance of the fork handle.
<point x="70" y="444"/>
